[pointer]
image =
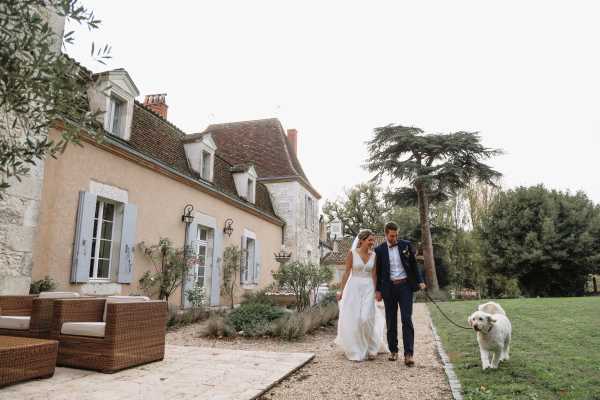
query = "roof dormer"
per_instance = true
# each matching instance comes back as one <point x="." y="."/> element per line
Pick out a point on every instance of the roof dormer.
<point x="114" y="94"/>
<point x="200" y="152"/>
<point x="244" y="177"/>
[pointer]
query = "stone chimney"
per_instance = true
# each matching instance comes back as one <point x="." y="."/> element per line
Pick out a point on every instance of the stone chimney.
<point x="292" y="135"/>
<point x="157" y="103"/>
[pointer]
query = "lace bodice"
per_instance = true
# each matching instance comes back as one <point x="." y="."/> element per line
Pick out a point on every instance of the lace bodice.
<point x="358" y="265"/>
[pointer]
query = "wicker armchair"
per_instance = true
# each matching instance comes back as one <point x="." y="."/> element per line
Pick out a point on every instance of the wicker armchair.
<point x="133" y="333"/>
<point x="26" y="316"/>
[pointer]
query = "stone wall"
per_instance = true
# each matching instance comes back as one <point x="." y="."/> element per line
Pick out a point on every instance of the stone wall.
<point x="288" y="201"/>
<point x="19" y="210"/>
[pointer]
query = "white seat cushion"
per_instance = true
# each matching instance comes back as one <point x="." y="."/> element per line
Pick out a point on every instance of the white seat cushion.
<point x="13" y="322"/>
<point x="58" y="295"/>
<point x="122" y="299"/>
<point x="94" y="329"/>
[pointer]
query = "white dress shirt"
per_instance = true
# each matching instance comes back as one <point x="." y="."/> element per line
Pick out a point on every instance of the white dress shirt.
<point x="396" y="268"/>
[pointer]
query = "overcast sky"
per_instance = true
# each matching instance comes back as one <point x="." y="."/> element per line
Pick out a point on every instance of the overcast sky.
<point x="525" y="74"/>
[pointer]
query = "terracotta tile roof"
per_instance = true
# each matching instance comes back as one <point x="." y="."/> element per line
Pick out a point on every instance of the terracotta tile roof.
<point x="262" y="143"/>
<point x="343" y="247"/>
<point x="157" y="138"/>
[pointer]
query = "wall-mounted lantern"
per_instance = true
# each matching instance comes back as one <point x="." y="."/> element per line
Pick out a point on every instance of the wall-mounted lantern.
<point x="187" y="216"/>
<point x="228" y="229"/>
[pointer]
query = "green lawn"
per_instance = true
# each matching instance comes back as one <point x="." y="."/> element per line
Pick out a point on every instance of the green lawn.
<point x="555" y="351"/>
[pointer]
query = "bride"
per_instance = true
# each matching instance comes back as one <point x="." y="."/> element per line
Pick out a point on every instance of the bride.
<point x="361" y="324"/>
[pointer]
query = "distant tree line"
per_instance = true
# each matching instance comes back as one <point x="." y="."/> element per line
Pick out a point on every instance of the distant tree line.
<point x="529" y="241"/>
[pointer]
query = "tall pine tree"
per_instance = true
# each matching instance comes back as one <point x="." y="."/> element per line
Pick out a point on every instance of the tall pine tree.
<point x="426" y="168"/>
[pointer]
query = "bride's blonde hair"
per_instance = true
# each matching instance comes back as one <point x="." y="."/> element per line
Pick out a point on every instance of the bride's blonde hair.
<point x="363" y="235"/>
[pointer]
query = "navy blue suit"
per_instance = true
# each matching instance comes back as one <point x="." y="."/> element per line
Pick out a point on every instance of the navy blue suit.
<point x="398" y="295"/>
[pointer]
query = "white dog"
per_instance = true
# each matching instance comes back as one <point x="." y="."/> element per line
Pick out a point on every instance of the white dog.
<point x="493" y="334"/>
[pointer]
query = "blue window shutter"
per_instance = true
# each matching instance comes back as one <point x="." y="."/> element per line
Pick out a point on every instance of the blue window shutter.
<point x="82" y="246"/>
<point x="125" y="274"/>
<point x="243" y="261"/>
<point x="215" y="276"/>
<point x="256" y="261"/>
<point x="188" y="282"/>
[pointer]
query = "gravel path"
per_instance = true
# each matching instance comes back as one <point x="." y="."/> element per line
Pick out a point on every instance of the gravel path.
<point x="331" y="376"/>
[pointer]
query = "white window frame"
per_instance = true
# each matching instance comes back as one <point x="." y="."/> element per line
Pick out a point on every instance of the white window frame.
<point x="206" y="171"/>
<point x="251" y="195"/>
<point x="248" y="274"/>
<point x="208" y="245"/>
<point x="112" y="101"/>
<point x="250" y="260"/>
<point x="97" y="236"/>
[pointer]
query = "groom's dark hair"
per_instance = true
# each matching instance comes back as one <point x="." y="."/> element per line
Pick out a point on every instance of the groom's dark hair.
<point x="390" y="226"/>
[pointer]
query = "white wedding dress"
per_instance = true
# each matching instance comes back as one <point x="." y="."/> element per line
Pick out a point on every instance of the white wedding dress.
<point x="361" y="323"/>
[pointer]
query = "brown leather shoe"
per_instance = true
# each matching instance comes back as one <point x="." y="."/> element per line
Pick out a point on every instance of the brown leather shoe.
<point x="393" y="356"/>
<point x="408" y="361"/>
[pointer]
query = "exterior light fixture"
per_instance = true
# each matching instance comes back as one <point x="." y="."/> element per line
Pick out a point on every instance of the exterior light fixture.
<point x="187" y="216"/>
<point x="228" y="230"/>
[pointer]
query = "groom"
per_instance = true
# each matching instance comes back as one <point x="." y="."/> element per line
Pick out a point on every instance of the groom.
<point x="397" y="278"/>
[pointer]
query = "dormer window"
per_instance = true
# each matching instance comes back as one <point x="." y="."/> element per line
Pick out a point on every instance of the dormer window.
<point x="250" y="196"/>
<point x="116" y="115"/>
<point x="207" y="164"/>
<point x="114" y="94"/>
<point x="200" y="151"/>
<point x="244" y="177"/>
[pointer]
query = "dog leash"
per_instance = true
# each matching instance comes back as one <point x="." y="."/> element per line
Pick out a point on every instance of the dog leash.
<point x="443" y="313"/>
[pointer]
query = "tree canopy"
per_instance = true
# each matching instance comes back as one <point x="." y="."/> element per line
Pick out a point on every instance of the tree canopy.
<point x="362" y="207"/>
<point x="428" y="168"/>
<point x="39" y="85"/>
<point x="548" y="240"/>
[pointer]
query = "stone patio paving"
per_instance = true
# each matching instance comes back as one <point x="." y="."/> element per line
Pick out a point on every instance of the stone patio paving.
<point x="187" y="372"/>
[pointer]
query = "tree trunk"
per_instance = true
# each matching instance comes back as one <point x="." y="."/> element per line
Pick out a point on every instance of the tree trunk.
<point x="430" y="275"/>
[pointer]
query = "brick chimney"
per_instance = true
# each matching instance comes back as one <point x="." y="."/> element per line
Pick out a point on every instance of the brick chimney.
<point x="292" y="135"/>
<point x="157" y="103"/>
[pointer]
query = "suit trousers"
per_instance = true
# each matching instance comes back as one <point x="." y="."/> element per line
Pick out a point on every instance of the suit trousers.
<point x="401" y="295"/>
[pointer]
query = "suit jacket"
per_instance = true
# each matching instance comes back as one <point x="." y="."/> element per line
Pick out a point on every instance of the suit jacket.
<point x="409" y="262"/>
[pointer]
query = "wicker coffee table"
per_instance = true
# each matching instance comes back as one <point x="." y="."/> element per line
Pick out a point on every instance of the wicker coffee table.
<point x="24" y="358"/>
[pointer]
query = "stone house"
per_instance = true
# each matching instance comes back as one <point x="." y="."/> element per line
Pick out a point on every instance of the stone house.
<point x="101" y="201"/>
